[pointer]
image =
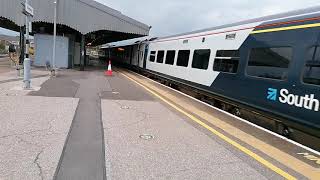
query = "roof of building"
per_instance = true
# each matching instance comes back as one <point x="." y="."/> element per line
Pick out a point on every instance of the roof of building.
<point x="84" y="16"/>
<point x="9" y="38"/>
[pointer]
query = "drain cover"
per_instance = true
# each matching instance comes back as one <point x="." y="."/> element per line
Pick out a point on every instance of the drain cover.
<point x="146" y="136"/>
<point x="124" y="107"/>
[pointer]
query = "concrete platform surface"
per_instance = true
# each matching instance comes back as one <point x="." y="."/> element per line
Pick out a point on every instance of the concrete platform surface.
<point x="284" y="157"/>
<point x="84" y="125"/>
<point x="14" y="88"/>
<point x="5" y="65"/>
<point x="83" y="157"/>
<point x="32" y="135"/>
<point x="12" y="74"/>
<point x="177" y="151"/>
<point x="178" y="148"/>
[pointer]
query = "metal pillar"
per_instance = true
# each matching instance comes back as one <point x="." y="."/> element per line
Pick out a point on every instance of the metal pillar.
<point x="139" y="46"/>
<point x="85" y="56"/>
<point x="54" y="39"/>
<point x="21" y="44"/>
<point x="109" y="53"/>
<point x="131" y="55"/>
<point x="145" y="56"/>
<point x="82" y="53"/>
<point x="27" y="61"/>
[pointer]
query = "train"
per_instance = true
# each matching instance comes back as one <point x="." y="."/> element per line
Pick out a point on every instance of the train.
<point x="266" y="70"/>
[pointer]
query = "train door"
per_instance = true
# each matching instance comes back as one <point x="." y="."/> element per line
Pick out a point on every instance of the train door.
<point x="146" y="49"/>
<point x="141" y="52"/>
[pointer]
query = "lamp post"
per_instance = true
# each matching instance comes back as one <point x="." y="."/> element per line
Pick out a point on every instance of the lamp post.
<point x="54" y="39"/>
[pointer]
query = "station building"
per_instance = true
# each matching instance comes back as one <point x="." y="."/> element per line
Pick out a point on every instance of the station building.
<point x="80" y="23"/>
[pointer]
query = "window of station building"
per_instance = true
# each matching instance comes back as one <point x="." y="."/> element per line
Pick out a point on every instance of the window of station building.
<point x="227" y="61"/>
<point x="271" y="63"/>
<point x="160" y="56"/>
<point x="312" y="67"/>
<point x="170" y="57"/>
<point x="183" y="58"/>
<point x="152" y="56"/>
<point x="201" y="58"/>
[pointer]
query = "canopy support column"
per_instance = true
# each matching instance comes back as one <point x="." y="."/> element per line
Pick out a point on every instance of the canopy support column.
<point x="82" y="52"/>
<point x="21" y="44"/>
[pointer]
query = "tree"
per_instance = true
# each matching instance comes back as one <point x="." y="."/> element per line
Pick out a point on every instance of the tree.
<point x="2" y="47"/>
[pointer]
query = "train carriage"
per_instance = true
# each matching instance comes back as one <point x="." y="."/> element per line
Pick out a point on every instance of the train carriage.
<point x="267" y="68"/>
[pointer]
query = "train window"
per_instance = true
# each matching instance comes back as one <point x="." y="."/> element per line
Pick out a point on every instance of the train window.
<point x="183" y="58"/>
<point x="152" y="57"/>
<point x="160" y="56"/>
<point x="227" y="61"/>
<point x="312" y="66"/>
<point x="228" y="53"/>
<point x="170" y="57"/>
<point x="201" y="58"/>
<point x="272" y="63"/>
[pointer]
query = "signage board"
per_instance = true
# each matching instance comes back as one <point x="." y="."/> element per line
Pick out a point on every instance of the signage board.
<point x="28" y="9"/>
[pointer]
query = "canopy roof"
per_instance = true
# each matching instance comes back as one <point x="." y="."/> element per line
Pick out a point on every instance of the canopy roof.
<point x="84" y="16"/>
<point x="128" y="42"/>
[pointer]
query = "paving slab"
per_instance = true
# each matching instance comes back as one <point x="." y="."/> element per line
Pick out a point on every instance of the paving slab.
<point x="15" y="88"/>
<point x="32" y="135"/>
<point x="12" y="74"/>
<point x="177" y="151"/>
<point x="83" y="157"/>
<point x="123" y="89"/>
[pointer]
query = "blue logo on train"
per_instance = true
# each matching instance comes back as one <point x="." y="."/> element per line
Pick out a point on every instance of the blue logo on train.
<point x="272" y="94"/>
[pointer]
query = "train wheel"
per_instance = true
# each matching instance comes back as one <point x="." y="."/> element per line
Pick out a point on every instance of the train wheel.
<point x="236" y="111"/>
<point x="283" y="129"/>
<point x="224" y="107"/>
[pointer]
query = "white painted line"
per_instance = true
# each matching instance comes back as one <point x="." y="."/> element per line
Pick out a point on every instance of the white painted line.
<point x="20" y="88"/>
<point x="238" y="118"/>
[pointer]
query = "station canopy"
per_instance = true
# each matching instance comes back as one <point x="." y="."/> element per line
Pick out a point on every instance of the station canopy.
<point x="83" y="16"/>
<point x="128" y="42"/>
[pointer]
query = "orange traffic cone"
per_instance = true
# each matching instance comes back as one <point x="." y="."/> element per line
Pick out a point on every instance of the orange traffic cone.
<point x="109" y="71"/>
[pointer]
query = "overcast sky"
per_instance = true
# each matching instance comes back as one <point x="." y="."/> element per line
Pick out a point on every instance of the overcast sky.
<point x="169" y="17"/>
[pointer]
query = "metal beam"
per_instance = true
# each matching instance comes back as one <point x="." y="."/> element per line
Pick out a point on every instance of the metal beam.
<point x="54" y="38"/>
<point x="131" y="55"/>
<point x="21" y="44"/>
<point x="82" y="52"/>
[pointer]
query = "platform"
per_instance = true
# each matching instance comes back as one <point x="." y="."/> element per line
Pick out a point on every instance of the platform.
<point x="130" y="127"/>
<point x="191" y="140"/>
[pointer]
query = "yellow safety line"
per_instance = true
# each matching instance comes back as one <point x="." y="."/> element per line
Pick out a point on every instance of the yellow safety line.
<point x="286" y="28"/>
<point x="225" y="138"/>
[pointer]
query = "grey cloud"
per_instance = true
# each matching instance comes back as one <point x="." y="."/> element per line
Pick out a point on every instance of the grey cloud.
<point x="169" y="17"/>
<point x="176" y="16"/>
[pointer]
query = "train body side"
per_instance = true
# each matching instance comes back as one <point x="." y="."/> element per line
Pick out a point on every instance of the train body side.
<point x="241" y="87"/>
<point x="214" y="42"/>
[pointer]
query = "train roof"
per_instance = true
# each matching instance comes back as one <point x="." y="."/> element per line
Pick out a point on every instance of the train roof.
<point x="307" y="12"/>
<point x="291" y="15"/>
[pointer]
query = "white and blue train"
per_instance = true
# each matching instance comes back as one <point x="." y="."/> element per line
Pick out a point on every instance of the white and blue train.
<point x="265" y="68"/>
